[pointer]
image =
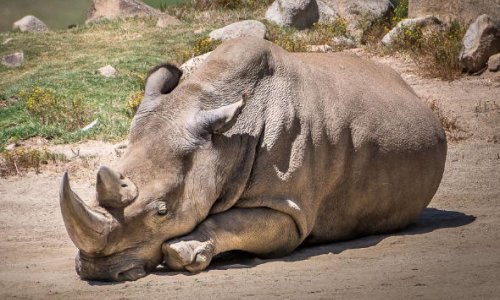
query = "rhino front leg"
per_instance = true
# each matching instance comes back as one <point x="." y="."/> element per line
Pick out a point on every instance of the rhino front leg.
<point x="261" y="231"/>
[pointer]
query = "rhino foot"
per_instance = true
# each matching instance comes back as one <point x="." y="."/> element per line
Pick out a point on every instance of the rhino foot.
<point x="193" y="256"/>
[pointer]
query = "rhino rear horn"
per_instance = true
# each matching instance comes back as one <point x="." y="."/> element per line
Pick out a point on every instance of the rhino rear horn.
<point x="114" y="190"/>
<point x="87" y="228"/>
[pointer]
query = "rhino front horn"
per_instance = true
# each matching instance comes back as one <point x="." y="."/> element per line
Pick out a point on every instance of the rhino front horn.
<point x="87" y="228"/>
<point x="113" y="190"/>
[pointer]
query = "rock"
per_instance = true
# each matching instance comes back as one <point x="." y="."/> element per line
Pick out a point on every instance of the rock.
<point x="29" y="24"/>
<point x="359" y="14"/>
<point x="107" y="71"/>
<point x="239" y="29"/>
<point x="194" y="63"/>
<point x="298" y="13"/>
<point x="395" y="32"/>
<point x="481" y="41"/>
<point x="165" y="21"/>
<point x="494" y="62"/>
<point x="13" y="60"/>
<point x="111" y="9"/>
<point x="344" y="42"/>
<point x="466" y="11"/>
<point x="319" y="48"/>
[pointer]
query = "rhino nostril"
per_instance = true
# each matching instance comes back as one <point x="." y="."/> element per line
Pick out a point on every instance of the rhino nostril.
<point x="124" y="185"/>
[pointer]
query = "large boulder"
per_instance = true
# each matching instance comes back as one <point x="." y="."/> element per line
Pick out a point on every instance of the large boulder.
<point x="358" y="14"/>
<point x="30" y="24"/>
<point x="298" y="13"/>
<point x="13" y="60"/>
<point x="395" y="32"/>
<point x="481" y="41"/>
<point x="239" y="29"/>
<point x="110" y="9"/>
<point x="465" y="11"/>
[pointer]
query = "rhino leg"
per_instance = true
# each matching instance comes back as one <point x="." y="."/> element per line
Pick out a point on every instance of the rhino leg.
<point x="260" y="231"/>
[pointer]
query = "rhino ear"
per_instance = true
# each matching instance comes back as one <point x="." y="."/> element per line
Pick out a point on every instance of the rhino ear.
<point x="220" y="120"/>
<point x="162" y="79"/>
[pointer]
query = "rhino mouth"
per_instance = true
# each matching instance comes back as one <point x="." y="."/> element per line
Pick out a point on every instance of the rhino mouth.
<point x="111" y="268"/>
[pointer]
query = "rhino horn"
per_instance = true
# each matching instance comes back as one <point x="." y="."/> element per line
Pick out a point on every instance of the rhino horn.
<point x="87" y="228"/>
<point x="114" y="190"/>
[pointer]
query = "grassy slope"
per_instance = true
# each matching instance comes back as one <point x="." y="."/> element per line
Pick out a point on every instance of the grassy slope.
<point x="66" y="62"/>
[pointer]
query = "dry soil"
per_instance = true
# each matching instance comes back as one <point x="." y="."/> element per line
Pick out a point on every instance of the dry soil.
<point x="451" y="252"/>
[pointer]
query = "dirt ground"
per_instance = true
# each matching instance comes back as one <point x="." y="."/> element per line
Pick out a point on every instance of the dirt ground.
<point x="451" y="252"/>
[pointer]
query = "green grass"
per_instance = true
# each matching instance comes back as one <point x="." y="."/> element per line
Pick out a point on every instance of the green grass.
<point x="65" y="62"/>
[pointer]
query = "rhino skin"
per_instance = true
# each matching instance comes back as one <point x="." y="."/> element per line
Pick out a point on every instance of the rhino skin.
<point x="259" y="150"/>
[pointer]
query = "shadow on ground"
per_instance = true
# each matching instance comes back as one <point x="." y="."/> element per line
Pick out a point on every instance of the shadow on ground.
<point x="431" y="219"/>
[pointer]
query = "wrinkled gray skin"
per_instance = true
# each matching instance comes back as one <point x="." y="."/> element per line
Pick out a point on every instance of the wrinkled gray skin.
<point x="325" y="147"/>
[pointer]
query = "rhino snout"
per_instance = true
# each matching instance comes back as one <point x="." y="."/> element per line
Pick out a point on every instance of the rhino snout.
<point x="105" y="269"/>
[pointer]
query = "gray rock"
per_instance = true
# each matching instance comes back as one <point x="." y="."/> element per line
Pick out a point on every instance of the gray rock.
<point x="107" y="71"/>
<point x="395" y="32"/>
<point x="344" y="42"/>
<point x="359" y="14"/>
<point x="298" y="13"/>
<point x="29" y="24"/>
<point x="13" y="60"/>
<point x="111" y="9"/>
<point x="239" y="29"/>
<point x="194" y="63"/>
<point x="165" y="21"/>
<point x="466" y="11"/>
<point x="319" y="48"/>
<point x="494" y="62"/>
<point x="481" y="41"/>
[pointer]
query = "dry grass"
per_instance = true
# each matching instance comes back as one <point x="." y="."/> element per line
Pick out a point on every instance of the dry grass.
<point x="451" y="125"/>
<point x="22" y="159"/>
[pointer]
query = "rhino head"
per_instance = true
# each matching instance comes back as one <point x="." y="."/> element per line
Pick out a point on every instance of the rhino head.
<point x="164" y="184"/>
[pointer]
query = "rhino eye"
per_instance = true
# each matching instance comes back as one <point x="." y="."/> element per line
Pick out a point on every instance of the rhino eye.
<point x="161" y="207"/>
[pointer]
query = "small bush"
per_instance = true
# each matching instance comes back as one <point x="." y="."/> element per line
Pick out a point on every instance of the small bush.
<point x="51" y="109"/>
<point x="436" y="51"/>
<point x="199" y="47"/>
<point x="23" y="159"/>
<point x="294" y="40"/>
<point x="228" y="4"/>
<point x="133" y="102"/>
<point x="400" y="12"/>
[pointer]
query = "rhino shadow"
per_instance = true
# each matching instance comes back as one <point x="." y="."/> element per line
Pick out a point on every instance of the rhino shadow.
<point x="429" y="220"/>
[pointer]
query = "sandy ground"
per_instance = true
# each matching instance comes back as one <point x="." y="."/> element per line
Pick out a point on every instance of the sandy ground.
<point x="451" y="252"/>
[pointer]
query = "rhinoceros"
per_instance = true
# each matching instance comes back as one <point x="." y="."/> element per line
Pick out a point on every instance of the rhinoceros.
<point x="259" y="150"/>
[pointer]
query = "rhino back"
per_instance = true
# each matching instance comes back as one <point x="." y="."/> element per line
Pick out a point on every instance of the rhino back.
<point x="342" y="145"/>
<point x="346" y="147"/>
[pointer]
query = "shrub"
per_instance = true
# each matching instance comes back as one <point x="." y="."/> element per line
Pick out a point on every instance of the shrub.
<point x="51" y="109"/>
<point x="199" y="47"/>
<point x="400" y="12"/>
<point x="228" y="4"/>
<point x="133" y="102"/>
<point x="22" y="159"/>
<point x="293" y="40"/>
<point x="435" y="51"/>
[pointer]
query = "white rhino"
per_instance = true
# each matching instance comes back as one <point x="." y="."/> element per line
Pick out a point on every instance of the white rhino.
<point x="259" y="150"/>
